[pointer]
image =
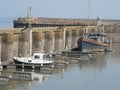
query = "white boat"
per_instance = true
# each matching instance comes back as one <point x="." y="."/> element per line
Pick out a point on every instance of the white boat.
<point x="38" y="59"/>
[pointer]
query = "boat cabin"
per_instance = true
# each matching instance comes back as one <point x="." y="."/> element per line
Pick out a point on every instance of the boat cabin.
<point x="99" y="37"/>
<point x="39" y="55"/>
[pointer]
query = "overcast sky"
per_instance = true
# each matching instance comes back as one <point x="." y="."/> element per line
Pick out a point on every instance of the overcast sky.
<point x="105" y="9"/>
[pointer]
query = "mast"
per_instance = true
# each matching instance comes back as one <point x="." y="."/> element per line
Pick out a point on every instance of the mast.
<point x="64" y="38"/>
<point x="30" y="31"/>
<point x="88" y="12"/>
<point x="88" y="23"/>
<point x="97" y="24"/>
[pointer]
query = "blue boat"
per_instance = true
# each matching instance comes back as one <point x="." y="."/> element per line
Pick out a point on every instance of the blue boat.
<point x="93" y="42"/>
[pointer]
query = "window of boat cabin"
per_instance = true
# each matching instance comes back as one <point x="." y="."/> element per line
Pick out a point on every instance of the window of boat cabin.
<point x="36" y="56"/>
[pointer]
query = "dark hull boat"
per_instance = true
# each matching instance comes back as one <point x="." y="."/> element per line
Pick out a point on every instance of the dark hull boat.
<point x="91" y="45"/>
<point x="94" y="41"/>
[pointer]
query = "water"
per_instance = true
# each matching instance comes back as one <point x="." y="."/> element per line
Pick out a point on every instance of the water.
<point x="100" y="73"/>
<point x="6" y="22"/>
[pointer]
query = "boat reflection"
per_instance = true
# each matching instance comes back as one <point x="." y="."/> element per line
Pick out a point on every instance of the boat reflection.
<point x="98" y="62"/>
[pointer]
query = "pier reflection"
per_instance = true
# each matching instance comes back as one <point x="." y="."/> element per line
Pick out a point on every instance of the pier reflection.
<point x="18" y="79"/>
<point x="97" y="62"/>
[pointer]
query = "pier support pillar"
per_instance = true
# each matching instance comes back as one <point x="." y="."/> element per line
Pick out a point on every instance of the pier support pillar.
<point x="23" y="45"/>
<point x="38" y="42"/>
<point x="7" y="47"/>
<point x="82" y="31"/>
<point x="68" y="39"/>
<point x="75" y="37"/>
<point x="58" y="41"/>
<point x="49" y="41"/>
<point x="15" y="44"/>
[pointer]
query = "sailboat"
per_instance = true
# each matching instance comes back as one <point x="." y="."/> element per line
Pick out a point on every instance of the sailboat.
<point x="37" y="60"/>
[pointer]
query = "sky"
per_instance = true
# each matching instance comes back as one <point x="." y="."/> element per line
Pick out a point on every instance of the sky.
<point x="104" y="9"/>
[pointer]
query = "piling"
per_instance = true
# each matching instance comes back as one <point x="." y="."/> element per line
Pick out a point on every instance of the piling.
<point x="68" y="39"/>
<point x="15" y="44"/>
<point x="58" y="41"/>
<point x="23" y="44"/>
<point x="7" y="47"/>
<point x="75" y="37"/>
<point x="38" y="42"/>
<point x="82" y="31"/>
<point x="49" y="41"/>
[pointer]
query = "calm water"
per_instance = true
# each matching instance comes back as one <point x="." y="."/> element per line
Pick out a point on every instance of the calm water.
<point x="99" y="73"/>
<point x="6" y="22"/>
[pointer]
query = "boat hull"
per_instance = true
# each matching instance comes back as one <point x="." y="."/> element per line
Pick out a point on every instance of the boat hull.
<point x="25" y="65"/>
<point x="91" y="45"/>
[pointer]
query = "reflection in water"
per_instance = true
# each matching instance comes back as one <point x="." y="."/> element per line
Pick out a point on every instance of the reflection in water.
<point x="100" y="72"/>
<point x="96" y="62"/>
<point x="24" y="79"/>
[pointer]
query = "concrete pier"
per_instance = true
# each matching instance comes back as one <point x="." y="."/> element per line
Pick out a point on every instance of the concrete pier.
<point x="16" y="43"/>
<point x="49" y="41"/>
<point x="7" y="47"/>
<point x="23" y="44"/>
<point x="75" y="37"/>
<point x="38" y="42"/>
<point x="58" y="41"/>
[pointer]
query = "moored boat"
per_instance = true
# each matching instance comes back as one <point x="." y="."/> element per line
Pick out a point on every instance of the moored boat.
<point x="93" y="42"/>
<point x="37" y="60"/>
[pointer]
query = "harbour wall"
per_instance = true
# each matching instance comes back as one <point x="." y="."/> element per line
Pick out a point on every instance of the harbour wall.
<point x="15" y="41"/>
